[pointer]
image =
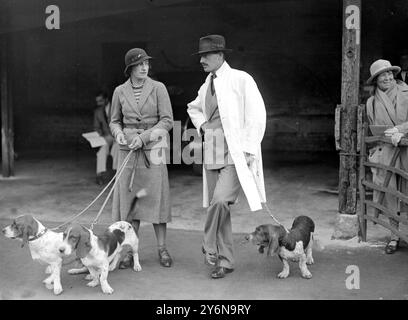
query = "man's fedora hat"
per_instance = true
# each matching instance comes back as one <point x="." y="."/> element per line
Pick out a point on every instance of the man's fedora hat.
<point x="135" y="56"/>
<point x="211" y="43"/>
<point x="379" y="67"/>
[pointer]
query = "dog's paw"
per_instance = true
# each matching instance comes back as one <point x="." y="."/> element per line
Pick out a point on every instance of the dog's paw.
<point x="78" y="270"/>
<point x="49" y="285"/>
<point x="112" y="267"/>
<point x="73" y="271"/>
<point x="89" y="277"/>
<point x="137" y="267"/>
<point x="48" y="281"/>
<point x="58" y="290"/>
<point x="93" y="283"/>
<point x="309" y="260"/>
<point x="48" y="270"/>
<point x="106" y="289"/>
<point x="283" y="275"/>
<point x="306" y="274"/>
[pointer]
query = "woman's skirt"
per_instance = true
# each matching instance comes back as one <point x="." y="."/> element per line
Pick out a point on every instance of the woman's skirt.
<point x="155" y="206"/>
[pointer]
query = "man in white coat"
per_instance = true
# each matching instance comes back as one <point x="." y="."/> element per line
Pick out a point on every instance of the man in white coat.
<point x="229" y="111"/>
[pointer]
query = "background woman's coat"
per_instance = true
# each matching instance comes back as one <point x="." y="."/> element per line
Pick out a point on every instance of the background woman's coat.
<point x="381" y="111"/>
<point x="149" y="118"/>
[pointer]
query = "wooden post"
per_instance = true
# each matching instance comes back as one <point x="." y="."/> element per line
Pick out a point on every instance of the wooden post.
<point x="362" y="133"/>
<point x="7" y="149"/>
<point x="349" y="102"/>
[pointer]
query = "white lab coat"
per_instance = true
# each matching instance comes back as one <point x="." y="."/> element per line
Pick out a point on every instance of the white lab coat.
<point x="243" y="118"/>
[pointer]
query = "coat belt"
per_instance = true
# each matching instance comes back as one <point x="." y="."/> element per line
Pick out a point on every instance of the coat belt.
<point x="141" y="125"/>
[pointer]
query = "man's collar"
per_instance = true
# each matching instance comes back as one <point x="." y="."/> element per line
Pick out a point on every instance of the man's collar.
<point x="221" y="70"/>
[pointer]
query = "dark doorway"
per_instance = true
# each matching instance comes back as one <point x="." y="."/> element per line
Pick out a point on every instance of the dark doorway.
<point x="113" y="64"/>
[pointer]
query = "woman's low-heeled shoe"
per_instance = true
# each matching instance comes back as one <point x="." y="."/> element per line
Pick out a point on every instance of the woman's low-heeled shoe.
<point x="165" y="258"/>
<point x="391" y="248"/>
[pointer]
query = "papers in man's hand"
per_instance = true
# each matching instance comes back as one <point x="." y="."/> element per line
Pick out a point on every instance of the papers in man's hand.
<point x="94" y="139"/>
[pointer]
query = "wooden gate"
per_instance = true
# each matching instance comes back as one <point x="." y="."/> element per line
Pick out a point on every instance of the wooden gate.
<point x="365" y="183"/>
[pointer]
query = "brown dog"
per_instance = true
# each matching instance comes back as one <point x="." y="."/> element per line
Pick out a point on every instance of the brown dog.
<point x="295" y="245"/>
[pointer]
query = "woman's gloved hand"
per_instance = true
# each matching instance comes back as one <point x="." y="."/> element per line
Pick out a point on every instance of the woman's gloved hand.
<point x="136" y="143"/>
<point x="396" y="138"/>
<point x="390" y="132"/>
<point x="120" y="139"/>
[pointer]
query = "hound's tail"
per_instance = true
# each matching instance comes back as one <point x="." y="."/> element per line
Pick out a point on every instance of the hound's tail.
<point x="132" y="211"/>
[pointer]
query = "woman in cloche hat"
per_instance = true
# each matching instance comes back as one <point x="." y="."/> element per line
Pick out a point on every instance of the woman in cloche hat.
<point x="388" y="106"/>
<point x="141" y="111"/>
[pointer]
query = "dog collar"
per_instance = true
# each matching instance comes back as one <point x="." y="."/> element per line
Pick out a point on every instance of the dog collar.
<point x="39" y="235"/>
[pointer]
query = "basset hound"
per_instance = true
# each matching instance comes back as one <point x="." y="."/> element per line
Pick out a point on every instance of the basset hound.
<point x="44" y="246"/>
<point x="295" y="244"/>
<point x="101" y="253"/>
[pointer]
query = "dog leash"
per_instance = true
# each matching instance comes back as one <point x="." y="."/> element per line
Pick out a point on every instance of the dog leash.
<point x="111" y="190"/>
<point x="146" y="162"/>
<point x="265" y="203"/>
<point x="115" y="177"/>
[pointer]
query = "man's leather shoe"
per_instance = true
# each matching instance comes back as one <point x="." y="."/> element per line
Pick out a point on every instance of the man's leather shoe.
<point x="220" y="272"/>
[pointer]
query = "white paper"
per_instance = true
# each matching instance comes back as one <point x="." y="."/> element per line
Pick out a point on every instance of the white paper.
<point x="94" y="139"/>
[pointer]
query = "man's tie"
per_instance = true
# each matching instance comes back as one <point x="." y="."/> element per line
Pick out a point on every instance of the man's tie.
<point x="213" y="76"/>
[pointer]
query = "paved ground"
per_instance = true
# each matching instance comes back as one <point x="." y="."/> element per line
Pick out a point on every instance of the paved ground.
<point x="55" y="189"/>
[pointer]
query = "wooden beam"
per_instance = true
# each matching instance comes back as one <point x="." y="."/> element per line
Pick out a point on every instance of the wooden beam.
<point x="7" y="150"/>
<point x="349" y="101"/>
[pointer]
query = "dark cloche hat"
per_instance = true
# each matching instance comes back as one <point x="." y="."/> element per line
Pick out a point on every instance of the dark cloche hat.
<point x="135" y="56"/>
<point x="211" y="43"/>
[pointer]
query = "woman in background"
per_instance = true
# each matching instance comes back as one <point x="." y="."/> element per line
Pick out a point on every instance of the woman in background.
<point x="388" y="105"/>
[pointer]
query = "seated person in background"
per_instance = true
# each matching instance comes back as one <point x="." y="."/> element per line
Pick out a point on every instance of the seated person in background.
<point x="101" y="125"/>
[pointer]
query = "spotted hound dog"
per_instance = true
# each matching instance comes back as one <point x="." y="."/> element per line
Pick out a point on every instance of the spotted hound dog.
<point x="295" y="244"/>
<point x="101" y="253"/>
<point x="44" y="246"/>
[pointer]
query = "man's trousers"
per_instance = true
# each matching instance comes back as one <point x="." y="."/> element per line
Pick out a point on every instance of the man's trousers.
<point x="103" y="152"/>
<point x="223" y="190"/>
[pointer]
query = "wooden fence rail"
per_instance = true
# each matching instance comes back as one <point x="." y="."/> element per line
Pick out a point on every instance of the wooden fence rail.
<point x="364" y="183"/>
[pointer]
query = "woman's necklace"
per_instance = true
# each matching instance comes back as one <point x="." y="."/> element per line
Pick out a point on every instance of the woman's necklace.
<point x="137" y="83"/>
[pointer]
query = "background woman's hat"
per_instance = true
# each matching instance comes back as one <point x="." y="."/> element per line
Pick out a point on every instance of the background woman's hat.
<point x="135" y="56"/>
<point x="211" y="43"/>
<point x="379" y="67"/>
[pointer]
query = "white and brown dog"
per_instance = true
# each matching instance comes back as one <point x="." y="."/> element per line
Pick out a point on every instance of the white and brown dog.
<point x="44" y="246"/>
<point x="100" y="253"/>
<point x="295" y="245"/>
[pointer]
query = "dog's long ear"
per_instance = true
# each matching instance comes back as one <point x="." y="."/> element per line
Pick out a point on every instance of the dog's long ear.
<point x="273" y="245"/>
<point x="27" y="231"/>
<point x="84" y="244"/>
